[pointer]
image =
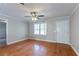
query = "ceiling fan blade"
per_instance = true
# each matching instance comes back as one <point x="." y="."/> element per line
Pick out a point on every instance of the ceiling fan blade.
<point x="40" y="15"/>
<point x="22" y="3"/>
<point x="27" y="16"/>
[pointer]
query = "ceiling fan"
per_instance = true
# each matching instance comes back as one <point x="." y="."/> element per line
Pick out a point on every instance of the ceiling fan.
<point x="35" y="16"/>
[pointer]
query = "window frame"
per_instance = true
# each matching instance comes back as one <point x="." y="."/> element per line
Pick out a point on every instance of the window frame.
<point x="40" y="29"/>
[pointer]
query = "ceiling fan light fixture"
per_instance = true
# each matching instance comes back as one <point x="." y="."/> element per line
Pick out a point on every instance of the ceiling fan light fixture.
<point x="34" y="18"/>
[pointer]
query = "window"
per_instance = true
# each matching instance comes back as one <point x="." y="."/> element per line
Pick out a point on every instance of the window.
<point x="36" y="29"/>
<point x="43" y="29"/>
<point x="40" y="29"/>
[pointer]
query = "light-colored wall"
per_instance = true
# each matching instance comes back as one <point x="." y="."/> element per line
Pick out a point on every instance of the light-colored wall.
<point x="74" y="29"/>
<point x="17" y="31"/>
<point x="51" y="30"/>
<point x="22" y="30"/>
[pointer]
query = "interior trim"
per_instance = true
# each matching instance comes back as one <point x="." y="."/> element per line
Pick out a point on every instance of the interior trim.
<point x="46" y="41"/>
<point x="62" y="43"/>
<point x="74" y="50"/>
<point x="51" y="41"/>
<point x="75" y="9"/>
<point x="16" y="41"/>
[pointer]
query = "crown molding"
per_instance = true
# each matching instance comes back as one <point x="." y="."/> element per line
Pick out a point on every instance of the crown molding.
<point x="75" y="9"/>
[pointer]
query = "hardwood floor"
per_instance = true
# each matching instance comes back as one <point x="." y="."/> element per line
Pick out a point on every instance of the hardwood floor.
<point x="36" y="48"/>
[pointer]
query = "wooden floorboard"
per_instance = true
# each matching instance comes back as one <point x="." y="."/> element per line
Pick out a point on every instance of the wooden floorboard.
<point x="37" y="48"/>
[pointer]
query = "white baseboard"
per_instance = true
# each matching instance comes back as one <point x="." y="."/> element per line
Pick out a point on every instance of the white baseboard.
<point x="51" y="41"/>
<point x="15" y="41"/>
<point x="75" y="50"/>
<point x="60" y="42"/>
<point x="47" y="41"/>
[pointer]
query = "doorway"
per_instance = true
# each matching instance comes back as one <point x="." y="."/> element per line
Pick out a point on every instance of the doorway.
<point x="2" y="34"/>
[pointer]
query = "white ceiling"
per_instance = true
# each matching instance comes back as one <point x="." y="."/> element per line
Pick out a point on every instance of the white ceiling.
<point x="18" y="11"/>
